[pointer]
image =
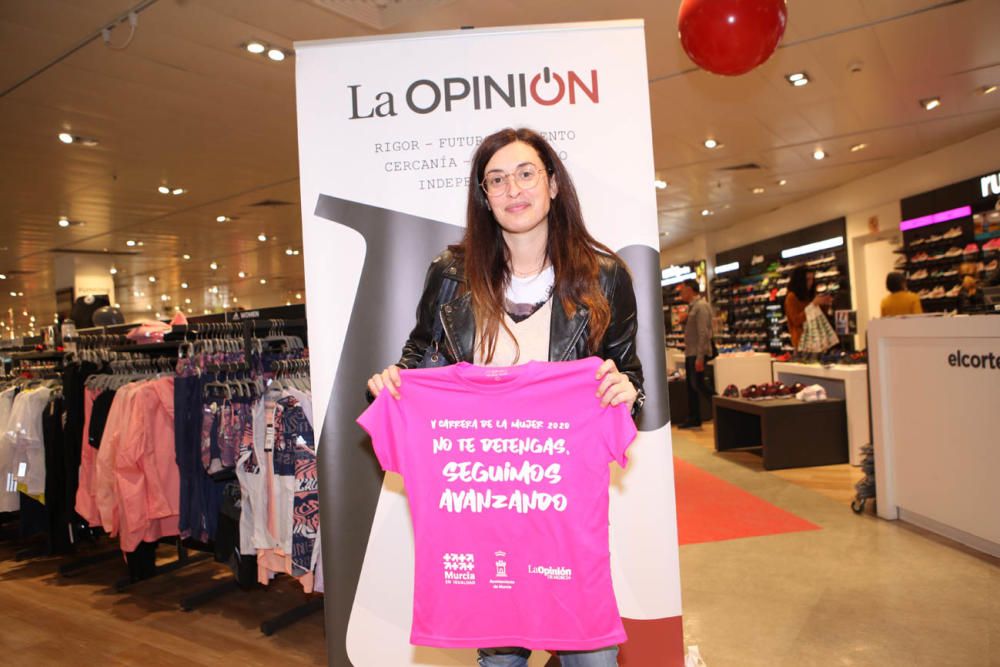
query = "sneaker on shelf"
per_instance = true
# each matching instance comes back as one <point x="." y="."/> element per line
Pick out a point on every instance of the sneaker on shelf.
<point x="992" y="244"/>
<point x="732" y="391"/>
<point x="952" y="233"/>
<point x="924" y="293"/>
<point x="990" y="266"/>
<point x="935" y="238"/>
<point x="937" y="292"/>
<point x="900" y="261"/>
<point x="919" y="274"/>
<point x="971" y="249"/>
<point x="954" y="292"/>
<point x="821" y="288"/>
<point x="920" y="257"/>
<point x="948" y="274"/>
<point x="953" y="252"/>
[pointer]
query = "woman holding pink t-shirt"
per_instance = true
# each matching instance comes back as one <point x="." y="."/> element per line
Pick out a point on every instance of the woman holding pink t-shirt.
<point x="527" y="283"/>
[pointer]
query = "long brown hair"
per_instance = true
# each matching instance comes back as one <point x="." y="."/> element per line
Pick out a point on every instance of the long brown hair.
<point x="570" y="248"/>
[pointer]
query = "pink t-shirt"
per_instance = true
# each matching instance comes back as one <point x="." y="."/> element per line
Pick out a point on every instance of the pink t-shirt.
<point x="506" y="471"/>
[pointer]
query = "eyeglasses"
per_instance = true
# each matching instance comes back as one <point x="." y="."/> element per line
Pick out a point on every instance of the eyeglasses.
<point x="498" y="183"/>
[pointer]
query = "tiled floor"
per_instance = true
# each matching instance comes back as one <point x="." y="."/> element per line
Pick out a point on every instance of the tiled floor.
<point x="861" y="591"/>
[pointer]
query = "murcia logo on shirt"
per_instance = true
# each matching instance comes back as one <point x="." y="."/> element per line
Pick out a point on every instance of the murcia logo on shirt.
<point x="556" y="573"/>
<point x="502" y="580"/>
<point x="459" y="569"/>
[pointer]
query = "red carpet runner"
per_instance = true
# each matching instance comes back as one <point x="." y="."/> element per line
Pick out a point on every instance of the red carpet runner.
<point x="710" y="510"/>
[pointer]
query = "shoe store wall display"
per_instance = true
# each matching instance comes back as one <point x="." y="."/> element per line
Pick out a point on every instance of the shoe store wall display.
<point x="387" y="127"/>
<point x="949" y="233"/>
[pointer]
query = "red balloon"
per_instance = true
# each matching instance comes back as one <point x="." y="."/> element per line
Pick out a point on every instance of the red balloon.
<point x="731" y="37"/>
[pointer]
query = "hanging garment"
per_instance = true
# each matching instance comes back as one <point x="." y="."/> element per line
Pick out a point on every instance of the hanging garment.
<point x="9" y="501"/>
<point x="86" y="500"/>
<point x="24" y="430"/>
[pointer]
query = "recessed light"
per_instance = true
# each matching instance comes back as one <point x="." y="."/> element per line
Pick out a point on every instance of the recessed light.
<point x="235" y="300"/>
<point x="13" y="293"/>
<point x="186" y="257"/>
<point x="112" y="270"/>
<point x="152" y="279"/>
<point x="255" y="47"/>
<point x="149" y="306"/>
<point x="782" y="182"/>
<point x="711" y="143"/>
<point x="262" y="237"/>
<point x="140" y="243"/>
<point x="858" y="147"/>
<point x="3" y="276"/>
<point x="660" y="184"/>
<point x="987" y="90"/>
<point x="24" y="313"/>
<point x="758" y="190"/>
<point x="130" y="243"/>
<point x="187" y="300"/>
<point x="242" y="274"/>
<point x="819" y="154"/>
<point x="298" y="295"/>
<point x="930" y="103"/>
<point x="263" y="281"/>
<point x="164" y="297"/>
<point x="163" y="190"/>
<point x="20" y="293"/>
<point x="66" y="137"/>
<point x="706" y="212"/>
<point x="222" y="218"/>
<point x="178" y="191"/>
<point x="797" y="79"/>
<point x="214" y="266"/>
<point x="277" y="55"/>
<point x="184" y="285"/>
<point x="289" y="251"/>
<point x="63" y="221"/>
<point x="215" y="289"/>
<point x="288" y="303"/>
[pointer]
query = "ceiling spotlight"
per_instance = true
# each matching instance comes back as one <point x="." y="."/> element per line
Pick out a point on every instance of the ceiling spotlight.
<point x="66" y="137"/>
<point x="660" y="184"/>
<point x="758" y="190"/>
<point x="222" y="218"/>
<point x="289" y="251"/>
<point x="277" y="55"/>
<point x="20" y="293"/>
<point x="255" y="47"/>
<point x="140" y="243"/>
<point x="298" y="295"/>
<point x="782" y="182"/>
<point x="242" y="274"/>
<point x="112" y="270"/>
<point x="186" y="257"/>
<point x="988" y="90"/>
<point x="819" y="154"/>
<point x="13" y="293"/>
<point x="706" y="212"/>
<point x="711" y="143"/>
<point x="149" y="306"/>
<point x="187" y="300"/>
<point x="262" y="237"/>
<point x="163" y="190"/>
<point x="184" y="285"/>
<point x="130" y="243"/>
<point x="797" y="79"/>
<point x="3" y="276"/>
<point x="930" y="103"/>
<point x="177" y="191"/>
<point x="235" y="300"/>
<point x="164" y="297"/>
<point x="24" y="313"/>
<point x="214" y="266"/>
<point x="263" y="281"/>
<point x="63" y="221"/>
<point x="858" y="147"/>
<point x="288" y="303"/>
<point x="152" y="279"/>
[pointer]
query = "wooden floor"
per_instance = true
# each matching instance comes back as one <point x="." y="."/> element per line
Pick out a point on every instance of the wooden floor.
<point x="46" y="619"/>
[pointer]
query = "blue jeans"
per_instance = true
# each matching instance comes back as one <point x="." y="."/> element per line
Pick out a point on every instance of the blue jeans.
<point x="518" y="657"/>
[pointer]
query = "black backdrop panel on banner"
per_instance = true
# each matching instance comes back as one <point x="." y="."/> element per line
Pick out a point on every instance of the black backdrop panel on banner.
<point x="771" y="248"/>
<point x="963" y="193"/>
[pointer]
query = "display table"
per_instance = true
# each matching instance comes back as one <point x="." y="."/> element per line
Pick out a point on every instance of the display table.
<point x="741" y="369"/>
<point x="675" y="359"/>
<point x="680" y="397"/>
<point x="935" y="385"/>
<point x="790" y="433"/>
<point x="849" y="382"/>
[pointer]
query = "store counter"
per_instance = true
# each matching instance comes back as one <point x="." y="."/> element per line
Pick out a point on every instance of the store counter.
<point x="935" y="390"/>
<point x="849" y="382"/>
<point x="742" y="369"/>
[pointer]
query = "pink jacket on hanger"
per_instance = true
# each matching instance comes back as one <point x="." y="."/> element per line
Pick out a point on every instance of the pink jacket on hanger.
<point x="105" y="480"/>
<point x="148" y="480"/>
<point x="86" y="503"/>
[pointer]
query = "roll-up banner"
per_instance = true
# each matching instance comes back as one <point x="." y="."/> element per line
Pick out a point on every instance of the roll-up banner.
<point x="387" y="128"/>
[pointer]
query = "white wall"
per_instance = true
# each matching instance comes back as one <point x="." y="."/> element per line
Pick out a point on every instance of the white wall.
<point x="875" y="195"/>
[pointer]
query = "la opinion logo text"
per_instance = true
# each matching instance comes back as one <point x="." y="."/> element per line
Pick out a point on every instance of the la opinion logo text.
<point x="423" y="96"/>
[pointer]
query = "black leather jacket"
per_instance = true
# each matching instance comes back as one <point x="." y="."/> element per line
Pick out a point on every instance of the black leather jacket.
<point x="567" y="335"/>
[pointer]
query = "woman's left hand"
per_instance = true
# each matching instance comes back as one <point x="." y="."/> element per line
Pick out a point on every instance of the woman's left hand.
<point x="615" y="387"/>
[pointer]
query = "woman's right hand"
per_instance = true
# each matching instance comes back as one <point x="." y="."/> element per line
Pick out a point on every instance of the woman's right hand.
<point x="388" y="379"/>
